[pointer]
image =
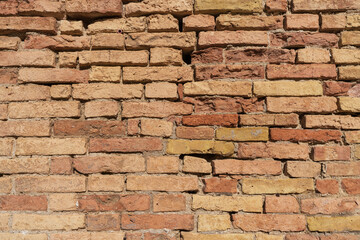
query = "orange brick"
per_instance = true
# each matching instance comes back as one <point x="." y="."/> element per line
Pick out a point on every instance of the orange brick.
<point x="302" y="22"/>
<point x="169" y="203"/>
<point x="281" y="204"/>
<point x="152" y="221"/>
<point x="220" y="185"/>
<point x="162" y="164"/>
<point x="268" y="223"/>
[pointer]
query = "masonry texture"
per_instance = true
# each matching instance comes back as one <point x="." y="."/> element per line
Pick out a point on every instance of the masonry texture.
<point x="180" y="119"/>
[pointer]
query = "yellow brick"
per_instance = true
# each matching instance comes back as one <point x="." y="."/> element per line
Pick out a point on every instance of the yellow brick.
<point x="346" y="56"/>
<point x="334" y="224"/>
<point x="349" y="104"/>
<point x="352" y="21"/>
<point x="228" y="203"/>
<point x="212" y="87"/>
<point x="208" y="222"/>
<point x="199" y="147"/>
<point x="357" y="151"/>
<point x="219" y="6"/>
<point x="350" y="38"/>
<point x="225" y="236"/>
<point x="263" y="236"/>
<point x="272" y="186"/>
<point x="243" y="134"/>
<point x="48" y="222"/>
<point x="349" y="72"/>
<point x="313" y="55"/>
<point x="288" y="88"/>
<point x="22" y="236"/>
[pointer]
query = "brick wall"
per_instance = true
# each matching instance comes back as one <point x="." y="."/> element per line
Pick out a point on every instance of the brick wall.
<point x="180" y="119"/>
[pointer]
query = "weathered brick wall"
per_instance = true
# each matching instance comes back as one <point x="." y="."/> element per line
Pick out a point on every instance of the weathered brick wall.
<point x="179" y="119"/>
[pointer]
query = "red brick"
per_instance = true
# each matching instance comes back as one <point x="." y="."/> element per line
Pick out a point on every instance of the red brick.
<point x="305" y="135"/>
<point x="220" y="185"/>
<point x="281" y="204"/>
<point x="114" y="202"/>
<point x="269" y="223"/>
<point x="258" y="167"/>
<point x="209" y="55"/>
<point x="351" y="185"/>
<point x="302" y="22"/>
<point x="89" y="128"/>
<point x="235" y="38"/>
<point x="276" y="5"/>
<point x="198" y="22"/>
<point x="329" y="205"/>
<point x="302" y="71"/>
<point x="303" y="39"/>
<point x="152" y="221"/>
<point x="61" y="165"/>
<point x="229" y="120"/>
<point x="57" y="43"/>
<point x="332" y="88"/>
<point x="195" y="132"/>
<point x="8" y="75"/>
<point x="229" y="71"/>
<point x="103" y="222"/>
<point x="327" y="186"/>
<point x="35" y="58"/>
<point x="169" y="203"/>
<point x="332" y="153"/>
<point x="274" y="150"/>
<point x="260" y="55"/>
<point x="109" y="163"/>
<point x="45" y="75"/>
<point x="125" y="144"/>
<point x="92" y="8"/>
<point x="23" y="203"/>
<point x="27" y="24"/>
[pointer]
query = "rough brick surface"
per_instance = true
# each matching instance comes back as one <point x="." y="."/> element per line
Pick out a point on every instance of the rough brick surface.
<point x="179" y="119"/>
